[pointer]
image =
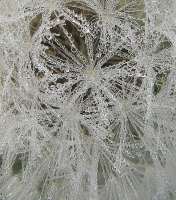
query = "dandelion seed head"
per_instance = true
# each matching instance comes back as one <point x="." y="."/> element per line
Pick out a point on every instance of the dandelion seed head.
<point x="87" y="100"/>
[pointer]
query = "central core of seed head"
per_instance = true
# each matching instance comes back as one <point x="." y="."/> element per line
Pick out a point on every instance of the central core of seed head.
<point x="90" y="72"/>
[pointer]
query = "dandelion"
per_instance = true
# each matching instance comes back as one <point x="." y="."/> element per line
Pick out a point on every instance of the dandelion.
<point x="87" y="100"/>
